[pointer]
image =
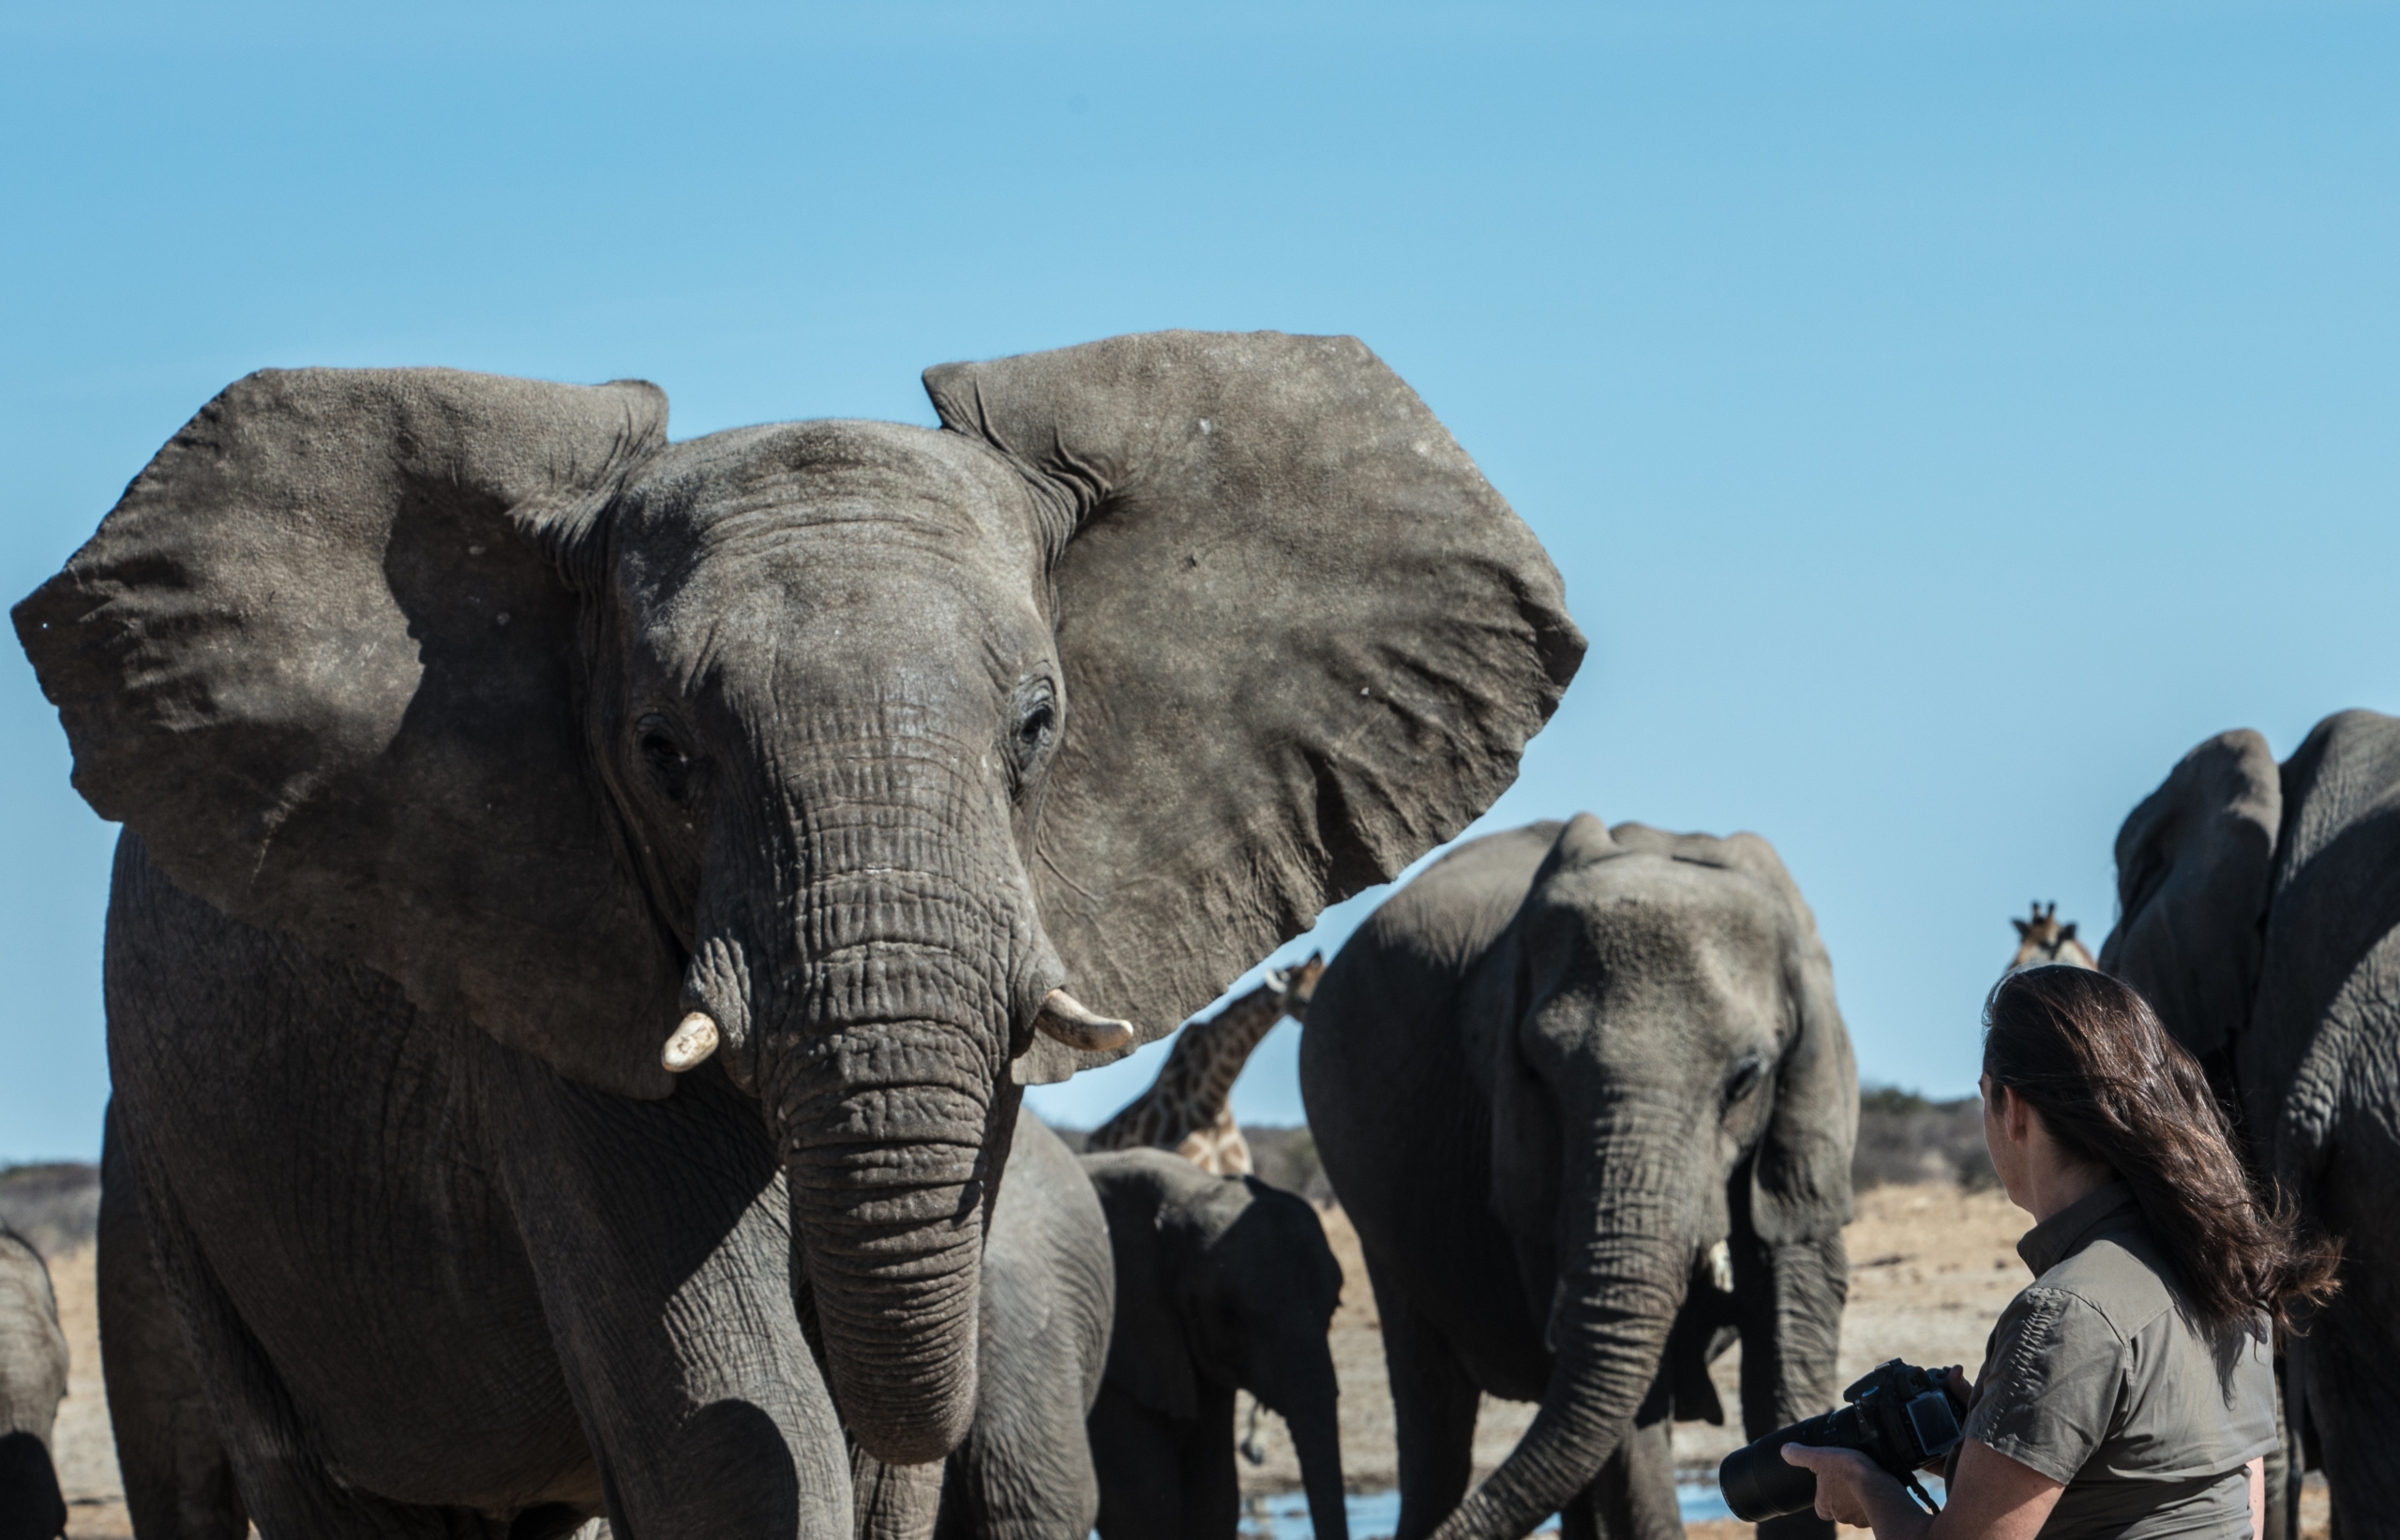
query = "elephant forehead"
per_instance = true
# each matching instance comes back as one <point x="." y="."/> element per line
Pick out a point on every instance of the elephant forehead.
<point x="751" y="487"/>
<point x="1674" y="900"/>
<point x="1652" y="927"/>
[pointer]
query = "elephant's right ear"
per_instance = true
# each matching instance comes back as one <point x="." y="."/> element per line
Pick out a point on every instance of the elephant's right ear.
<point x="2193" y="864"/>
<point x="1800" y="1182"/>
<point x="1304" y="641"/>
<point x="1149" y="1354"/>
<point x="319" y="659"/>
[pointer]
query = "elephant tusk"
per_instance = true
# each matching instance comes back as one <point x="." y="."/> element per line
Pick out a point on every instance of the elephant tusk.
<point x="1063" y="1017"/>
<point x="694" y="1040"/>
<point x="1720" y="1267"/>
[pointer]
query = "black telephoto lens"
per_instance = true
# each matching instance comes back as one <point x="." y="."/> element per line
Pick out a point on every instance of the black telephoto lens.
<point x="1758" y="1483"/>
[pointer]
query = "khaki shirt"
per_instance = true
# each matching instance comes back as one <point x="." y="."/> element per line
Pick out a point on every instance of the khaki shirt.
<point x="2097" y="1377"/>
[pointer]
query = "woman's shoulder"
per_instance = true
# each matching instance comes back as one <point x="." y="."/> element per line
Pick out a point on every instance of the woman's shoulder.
<point x="2120" y="1278"/>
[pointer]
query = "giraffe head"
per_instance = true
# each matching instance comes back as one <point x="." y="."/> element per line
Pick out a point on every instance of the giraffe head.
<point x="1298" y="985"/>
<point x="2043" y="941"/>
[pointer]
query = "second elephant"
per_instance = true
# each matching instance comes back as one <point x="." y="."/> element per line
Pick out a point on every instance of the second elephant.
<point x="1547" y="1079"/>
<point x="33" y="1379"/>
<point x="1223" y="1283"/>
<point x="2260" y="910"/>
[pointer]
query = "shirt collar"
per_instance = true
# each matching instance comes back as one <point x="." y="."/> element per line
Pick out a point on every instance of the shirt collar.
<point x="2064" y="1233"/>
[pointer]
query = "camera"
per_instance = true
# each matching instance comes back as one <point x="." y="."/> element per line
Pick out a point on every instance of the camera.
<point x="1900" y="1416"/>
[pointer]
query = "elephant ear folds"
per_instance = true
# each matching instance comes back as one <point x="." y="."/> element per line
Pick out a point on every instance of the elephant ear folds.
<point x="314" y="658"/>
<point x="1304" y="639"/>
<point x="1149" y="1356"/>
<point x="1800" y="1180"/>
<point x="2193" y="864"/>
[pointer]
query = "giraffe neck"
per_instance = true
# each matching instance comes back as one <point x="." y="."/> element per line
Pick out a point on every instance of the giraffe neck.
<point x="1195" y="1084"/>
<point x="1231" y="1034"/>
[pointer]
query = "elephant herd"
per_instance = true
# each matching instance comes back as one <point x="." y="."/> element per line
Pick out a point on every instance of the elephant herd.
<point x="590" y="906"/>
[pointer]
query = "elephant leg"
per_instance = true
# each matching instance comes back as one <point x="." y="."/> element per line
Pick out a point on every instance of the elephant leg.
<point x="282" y="1478"/>
<point x="2351" y="1402"/>
<point x="178" y="1482"/>
<point x="1138" y="1454"/>
<point x="1434" y="1407"/>
<point x="659" y="1237"/>
<point x="1211" y="1488"/>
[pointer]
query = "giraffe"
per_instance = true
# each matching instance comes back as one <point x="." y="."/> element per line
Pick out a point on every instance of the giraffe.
<point x="2043" y="939"/>
<point x="1187" y="1109"/>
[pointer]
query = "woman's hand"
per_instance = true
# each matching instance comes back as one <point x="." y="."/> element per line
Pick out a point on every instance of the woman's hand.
<point x="1845" y="1480"/>
<point x="1993" y="1498"/>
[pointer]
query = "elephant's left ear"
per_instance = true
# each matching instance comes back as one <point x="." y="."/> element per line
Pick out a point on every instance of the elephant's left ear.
<point x="1304" y="642"/>
<point x="1800" y="1180"/>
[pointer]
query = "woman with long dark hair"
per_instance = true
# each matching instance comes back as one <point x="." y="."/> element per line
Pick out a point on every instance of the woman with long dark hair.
<point x="2129" y="1390"/>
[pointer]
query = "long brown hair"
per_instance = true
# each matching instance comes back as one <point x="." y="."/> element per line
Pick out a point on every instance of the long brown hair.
<point x="2114" y="1088"/>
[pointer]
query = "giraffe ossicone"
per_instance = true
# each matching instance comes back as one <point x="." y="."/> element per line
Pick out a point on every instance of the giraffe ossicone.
<point x="2042" y="940"/>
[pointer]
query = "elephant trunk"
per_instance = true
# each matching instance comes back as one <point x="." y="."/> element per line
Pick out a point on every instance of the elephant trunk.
<point x="1624" y="1263"/>
<point x="1316" y="1438"/>
<point x="886" y="1179"/>
<point x="882" y="1079"/>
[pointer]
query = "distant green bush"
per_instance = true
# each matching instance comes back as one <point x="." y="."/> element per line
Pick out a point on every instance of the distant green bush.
<point x="1902" y="1137"/>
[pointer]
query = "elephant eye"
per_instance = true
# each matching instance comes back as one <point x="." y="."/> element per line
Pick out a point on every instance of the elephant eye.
<point x="1037" y="723"/>
<point x="1744" y="1080"/>
<point x="663" y="753"/>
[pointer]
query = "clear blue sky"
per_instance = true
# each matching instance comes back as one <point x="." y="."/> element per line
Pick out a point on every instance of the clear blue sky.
<point x="1943" y="414"/>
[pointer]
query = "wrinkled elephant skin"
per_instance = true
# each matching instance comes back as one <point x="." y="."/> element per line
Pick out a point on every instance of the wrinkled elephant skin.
<point x="1547" y="1079"/>
<point x="486" y="756"/>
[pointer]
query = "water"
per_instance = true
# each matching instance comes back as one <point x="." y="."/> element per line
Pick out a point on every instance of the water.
<point x="1285" y="1515"/>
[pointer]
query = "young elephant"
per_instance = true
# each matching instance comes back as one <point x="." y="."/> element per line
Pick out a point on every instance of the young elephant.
<point x="33" y="1380"/>
<point x="1549" y="1079"/>
<point x="1223" y="1283"/>
<point x="1024" y="1472"/>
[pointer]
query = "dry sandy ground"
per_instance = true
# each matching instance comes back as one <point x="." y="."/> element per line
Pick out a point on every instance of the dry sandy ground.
<point x="1930" y="1267"/>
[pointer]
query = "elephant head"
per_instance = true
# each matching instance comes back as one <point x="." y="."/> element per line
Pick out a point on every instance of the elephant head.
<point x="2249" y="896"/>
<point x="1225" y="1279"/>
<point x="1668" y="1069"/>
<point x="842" y="744"/>
<point x="2194" y="860"/>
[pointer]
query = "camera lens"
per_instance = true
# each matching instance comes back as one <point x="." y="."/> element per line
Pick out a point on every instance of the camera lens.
<point x="1758" y="1483"/>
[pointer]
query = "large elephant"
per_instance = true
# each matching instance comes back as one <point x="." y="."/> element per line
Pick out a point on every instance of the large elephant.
<point x="1224" y="1283"/>
<point x="488" y="762"/>
<point x="32" y="1381"/>
<point x="1025" y="1471"/>
<point x="1547" y="1078"/>
<point x="2260" y="915"/>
